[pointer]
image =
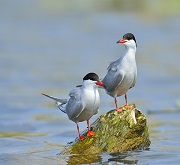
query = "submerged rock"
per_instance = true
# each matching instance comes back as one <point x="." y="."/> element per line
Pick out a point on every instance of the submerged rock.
<point x="114" y="132"/>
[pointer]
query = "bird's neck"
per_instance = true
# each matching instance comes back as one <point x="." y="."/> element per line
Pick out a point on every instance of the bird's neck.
<point x="90" y="92"/>
<point x="129" y="53"/>
<point x="87" y="86"/>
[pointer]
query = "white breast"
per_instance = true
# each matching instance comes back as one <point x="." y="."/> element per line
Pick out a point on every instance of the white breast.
<point x="91" y="101"/>
<point x="128" y="66"/>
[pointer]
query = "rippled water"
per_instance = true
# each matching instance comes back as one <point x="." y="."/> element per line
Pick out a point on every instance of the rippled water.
<point x="48" y="49"/>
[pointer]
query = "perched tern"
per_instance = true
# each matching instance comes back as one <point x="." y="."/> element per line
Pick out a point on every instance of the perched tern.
<point x="121" y="75"/>
<point x="83" y="102"/>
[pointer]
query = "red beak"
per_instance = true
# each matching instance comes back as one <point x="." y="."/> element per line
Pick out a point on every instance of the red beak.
<point x="121" y="41"/>
<point x="100" y="83"/>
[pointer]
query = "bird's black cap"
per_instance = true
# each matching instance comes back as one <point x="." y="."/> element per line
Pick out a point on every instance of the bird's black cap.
<point x="129" y="36"/>
<point x="91" y="76"/>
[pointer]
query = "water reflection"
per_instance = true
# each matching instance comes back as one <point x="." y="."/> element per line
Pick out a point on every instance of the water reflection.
<point x="130" y="157"/>
<point x="124" y="157"/>
<point x="83" y="159"/>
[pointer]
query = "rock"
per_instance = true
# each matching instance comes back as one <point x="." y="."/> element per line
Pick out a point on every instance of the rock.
<point x="114" y="132"/>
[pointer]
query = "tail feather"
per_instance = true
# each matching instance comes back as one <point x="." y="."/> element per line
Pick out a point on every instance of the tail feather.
<point x="61" y="103"/>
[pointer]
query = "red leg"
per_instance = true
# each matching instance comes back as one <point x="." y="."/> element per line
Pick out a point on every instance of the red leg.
<point x="80" y="137"/>
<point x="89" y="133"/>
<point x="126" y="100"/>
<point x="117" y="109"/>
<point x="127" y="106"/>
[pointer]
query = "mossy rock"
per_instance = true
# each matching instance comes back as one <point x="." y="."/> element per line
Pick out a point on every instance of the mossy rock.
<point x="114" y="132"/>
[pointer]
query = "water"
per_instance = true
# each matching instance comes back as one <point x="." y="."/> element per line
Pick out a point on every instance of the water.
<point x="48" y="48"/>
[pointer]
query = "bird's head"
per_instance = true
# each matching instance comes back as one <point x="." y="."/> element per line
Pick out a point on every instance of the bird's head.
<point x="93" y="78"/>
<point x="128" y="40"/>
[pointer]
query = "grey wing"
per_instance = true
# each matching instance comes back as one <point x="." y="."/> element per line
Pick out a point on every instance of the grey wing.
<point x="62" y="106"/>
<point x="74" y="106"/>
<point x="113" y="77"/>
<point x="134" y="82"/>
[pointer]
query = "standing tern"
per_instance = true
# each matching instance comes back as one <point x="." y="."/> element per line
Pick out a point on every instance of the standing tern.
<point x="121" y="75"/>
<point x="83" y="102"/>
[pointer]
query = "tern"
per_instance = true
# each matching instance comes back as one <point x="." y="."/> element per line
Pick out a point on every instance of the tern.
<point x="122" y="73"/>
<point x="83" y="102"/>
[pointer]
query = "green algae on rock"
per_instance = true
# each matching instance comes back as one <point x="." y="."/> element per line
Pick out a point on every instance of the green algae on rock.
<point x="114" y="132"/>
